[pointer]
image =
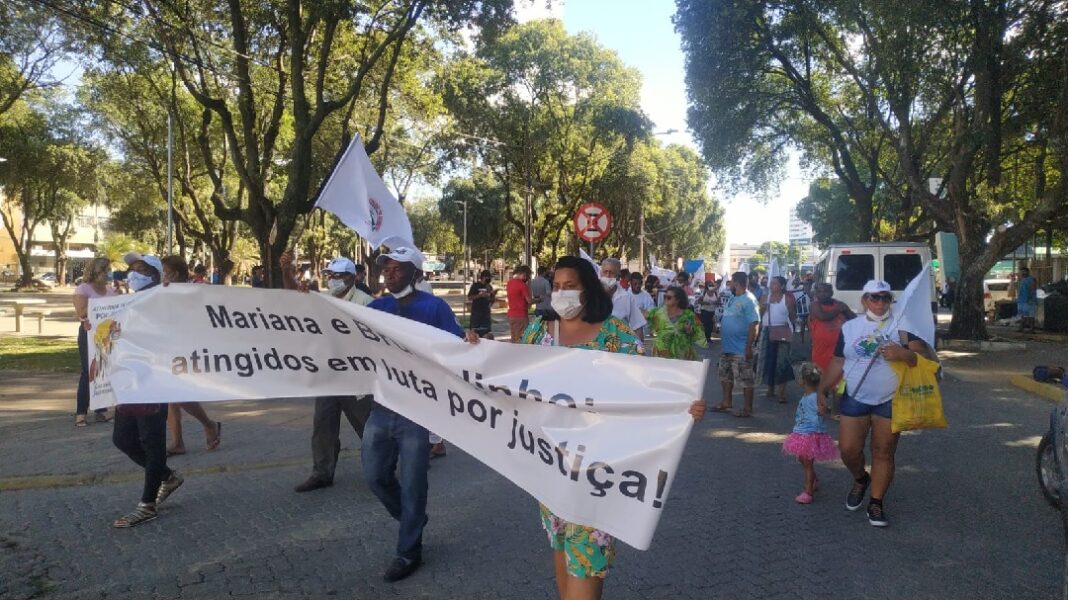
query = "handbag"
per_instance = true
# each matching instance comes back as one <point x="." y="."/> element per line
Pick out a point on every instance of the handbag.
<point x="780" y="333"/>
<point x="917" y="404"/>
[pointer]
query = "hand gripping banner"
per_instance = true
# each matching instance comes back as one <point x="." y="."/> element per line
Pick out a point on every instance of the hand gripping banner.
<point x="595" y="436"/>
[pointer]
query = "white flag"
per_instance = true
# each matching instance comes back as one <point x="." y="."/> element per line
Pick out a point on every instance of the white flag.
<point x="773" y="268"/>
<point x="356" y="195"/>
<point x="913" y="307"/>
<point x="666" y="276"/>
<point x="596" y="267"/>
<point x="744" y="267"/>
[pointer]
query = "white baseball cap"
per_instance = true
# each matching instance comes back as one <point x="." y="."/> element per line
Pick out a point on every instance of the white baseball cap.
<point x="131" y="257"/>
<point x="876" y="286"/>
<point x="341" y="265"/>
<point x="408" y="254"/>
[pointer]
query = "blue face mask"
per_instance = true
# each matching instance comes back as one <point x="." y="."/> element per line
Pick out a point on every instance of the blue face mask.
<point x="138" y="281"/>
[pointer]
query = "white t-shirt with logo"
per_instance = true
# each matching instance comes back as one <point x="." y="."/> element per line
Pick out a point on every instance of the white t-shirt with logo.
<point x="858" y="341"/>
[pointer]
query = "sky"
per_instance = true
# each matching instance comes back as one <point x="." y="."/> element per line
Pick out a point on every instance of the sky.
<point x="642" y="33"/>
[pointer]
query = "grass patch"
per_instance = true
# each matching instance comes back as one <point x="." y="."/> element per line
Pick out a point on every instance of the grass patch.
<point x="45" y="355"/>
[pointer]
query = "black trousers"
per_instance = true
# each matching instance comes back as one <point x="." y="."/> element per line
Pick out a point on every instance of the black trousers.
<point x="83" y="381"/>
<point x="144" y="440"/>
<point x="708" y="321"/>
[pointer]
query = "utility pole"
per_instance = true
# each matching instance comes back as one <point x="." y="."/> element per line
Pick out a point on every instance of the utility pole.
<point x="641" y="240"/>
<point x="170" y="181"/>
<point x="526" y="220"/>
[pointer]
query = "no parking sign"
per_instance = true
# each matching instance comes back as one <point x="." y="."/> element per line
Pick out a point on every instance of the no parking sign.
<point x="592" y="222"/>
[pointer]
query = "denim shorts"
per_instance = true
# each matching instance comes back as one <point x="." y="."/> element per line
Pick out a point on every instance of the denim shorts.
<point x="851" y="408"/>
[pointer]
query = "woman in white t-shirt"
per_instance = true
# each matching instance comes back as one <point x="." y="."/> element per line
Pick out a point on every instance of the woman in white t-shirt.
<point x="865" y="345"/>
<point x="95" y="284"/>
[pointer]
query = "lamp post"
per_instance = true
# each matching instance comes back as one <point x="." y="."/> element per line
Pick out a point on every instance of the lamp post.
<point x="467" y="249"/>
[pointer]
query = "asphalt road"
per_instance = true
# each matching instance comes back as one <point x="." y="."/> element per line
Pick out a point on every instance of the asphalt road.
<point x="967" y="519"/>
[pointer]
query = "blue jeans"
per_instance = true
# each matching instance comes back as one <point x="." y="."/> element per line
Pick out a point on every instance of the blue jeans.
<point x="388" y="437"/>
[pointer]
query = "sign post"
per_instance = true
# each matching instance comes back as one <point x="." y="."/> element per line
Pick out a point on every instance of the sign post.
<point x="592" y="223"/>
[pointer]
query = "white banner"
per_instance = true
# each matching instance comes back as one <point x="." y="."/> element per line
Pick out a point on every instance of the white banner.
<point x="595" y="436"/>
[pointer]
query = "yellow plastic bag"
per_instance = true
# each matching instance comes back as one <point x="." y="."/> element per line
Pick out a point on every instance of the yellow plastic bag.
<point x="918" y="401"/>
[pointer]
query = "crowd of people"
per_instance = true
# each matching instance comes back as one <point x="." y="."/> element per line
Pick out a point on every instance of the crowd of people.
<point x="575" y="304"/>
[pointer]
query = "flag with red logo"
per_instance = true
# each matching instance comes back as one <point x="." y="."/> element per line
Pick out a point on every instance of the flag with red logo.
<point x="356" y="194"/>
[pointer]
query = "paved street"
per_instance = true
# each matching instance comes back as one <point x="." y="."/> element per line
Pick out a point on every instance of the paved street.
<point x="967" y="517"/>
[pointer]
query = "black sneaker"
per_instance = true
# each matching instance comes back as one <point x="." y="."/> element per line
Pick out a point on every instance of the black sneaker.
<point x="856" y="493"/>
<point x="877" y="516"/>
<point x="401" y="568"/>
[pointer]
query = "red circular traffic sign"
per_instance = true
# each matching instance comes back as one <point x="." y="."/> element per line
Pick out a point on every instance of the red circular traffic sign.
<point x="593" y="222"/>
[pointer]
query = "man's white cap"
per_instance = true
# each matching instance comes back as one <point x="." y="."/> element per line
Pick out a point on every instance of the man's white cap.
<point x="131" y="257"/>
<point x="406" y="254"/>
<point x="876" y="286"/>
<point x="341" y="265"/>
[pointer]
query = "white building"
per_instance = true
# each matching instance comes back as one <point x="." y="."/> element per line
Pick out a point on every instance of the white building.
<point x="800" y="231"/>
<point x="88" y="230"/>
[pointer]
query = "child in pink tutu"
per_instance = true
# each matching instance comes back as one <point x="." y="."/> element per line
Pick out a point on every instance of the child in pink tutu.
<point x="809" y="441"/>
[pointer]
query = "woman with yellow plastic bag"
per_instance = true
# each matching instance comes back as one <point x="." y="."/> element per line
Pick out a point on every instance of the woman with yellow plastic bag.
<point x="865" y="355"/>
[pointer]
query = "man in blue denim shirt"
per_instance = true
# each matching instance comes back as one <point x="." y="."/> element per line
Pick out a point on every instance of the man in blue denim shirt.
<point x="389" y="438"/>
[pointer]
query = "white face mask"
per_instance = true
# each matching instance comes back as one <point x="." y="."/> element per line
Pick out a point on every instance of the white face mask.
<point x="609" y="282"/>
<point x="138" y="281"/>
<point x="336" y="286"/>
<point x="567" y="303"/>
<point x="875" y="317"/>
<point x="406" y="291"/>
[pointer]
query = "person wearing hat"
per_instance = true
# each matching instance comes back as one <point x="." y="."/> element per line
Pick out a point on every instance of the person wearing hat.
<point x="141" y="429"/>
<point x="341" y="276"/>
<point x="390" y="438"/>
<point x="865" y="346"/>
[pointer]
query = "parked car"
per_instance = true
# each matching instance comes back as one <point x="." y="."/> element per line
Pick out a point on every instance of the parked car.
<point x="993" y="291"/>
<point x="46" y="279"/>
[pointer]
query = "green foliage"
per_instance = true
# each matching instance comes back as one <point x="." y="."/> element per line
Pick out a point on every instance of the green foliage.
<point x="549" y="111"/>
<point x="887" y="96"/>
<point x="115" y="245"/>
<point x="433" y="235"/>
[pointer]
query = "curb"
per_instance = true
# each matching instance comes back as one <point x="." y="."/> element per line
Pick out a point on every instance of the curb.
<point x="1056" y="393"/>
<point x="989" y="346"/>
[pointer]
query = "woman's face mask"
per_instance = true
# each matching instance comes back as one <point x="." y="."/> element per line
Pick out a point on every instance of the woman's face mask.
<point x="336" y="286"/>
<point x="567" y="303"/>
<point x="138" y="281"/>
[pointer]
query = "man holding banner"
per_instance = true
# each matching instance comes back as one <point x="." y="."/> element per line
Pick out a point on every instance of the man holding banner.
<point x="389" y="437"/>
<point x="342" y="282"/>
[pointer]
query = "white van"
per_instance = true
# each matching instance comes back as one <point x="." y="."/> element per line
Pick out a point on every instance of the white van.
<point x="847" y="267"/>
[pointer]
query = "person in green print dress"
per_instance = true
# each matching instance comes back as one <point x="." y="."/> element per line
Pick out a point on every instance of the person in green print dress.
<point x="677" y="330"/>
<point x="581" y="317"/>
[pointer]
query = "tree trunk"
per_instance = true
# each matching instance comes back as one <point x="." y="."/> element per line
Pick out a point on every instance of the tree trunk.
<point x="969" y="320"/>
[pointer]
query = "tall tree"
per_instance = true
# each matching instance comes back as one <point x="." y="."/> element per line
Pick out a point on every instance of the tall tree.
<point x="546" y="112"/>
<point x="32" y="43"/>
<point x="955" y="90"/>
<point x="289" y="83"/>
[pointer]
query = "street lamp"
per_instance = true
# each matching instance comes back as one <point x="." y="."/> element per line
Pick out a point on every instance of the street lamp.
<point x="467" y="250"/>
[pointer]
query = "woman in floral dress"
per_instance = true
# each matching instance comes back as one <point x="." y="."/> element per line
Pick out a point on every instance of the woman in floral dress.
<point x="581" y="317"/>
<point x="678" y="333"/>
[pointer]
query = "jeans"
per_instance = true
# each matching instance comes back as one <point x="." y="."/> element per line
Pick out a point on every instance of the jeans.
<point x="387" y="438"/>
<point x="83" y="381"/>
<point x="708" y="321"/>
<point x="326" y="429"/>
<point x="144" y="440"/>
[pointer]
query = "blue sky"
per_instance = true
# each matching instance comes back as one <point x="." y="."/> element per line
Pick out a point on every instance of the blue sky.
<point x="641" y="32"/>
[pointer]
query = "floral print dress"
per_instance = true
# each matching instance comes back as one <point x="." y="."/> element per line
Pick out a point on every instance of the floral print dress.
<point x="589" y="552"/>
<point x="678" y="338"/>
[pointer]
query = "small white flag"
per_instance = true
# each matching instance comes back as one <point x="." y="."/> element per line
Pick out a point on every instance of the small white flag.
<point x="596" y="267"/>
<point x="913" y="308"/>
<point x="744" y="267"/>
<point x="773" y="268"/>
<point x="356" y="195"/>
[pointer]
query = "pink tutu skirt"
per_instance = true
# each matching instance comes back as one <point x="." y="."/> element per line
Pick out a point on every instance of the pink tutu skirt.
<point x="815" y="446"/>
